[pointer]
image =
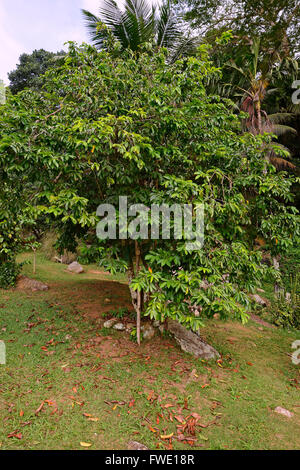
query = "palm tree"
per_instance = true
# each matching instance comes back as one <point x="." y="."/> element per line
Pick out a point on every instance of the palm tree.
<point x="253" y="88"/>
<point x="138" y="23"/>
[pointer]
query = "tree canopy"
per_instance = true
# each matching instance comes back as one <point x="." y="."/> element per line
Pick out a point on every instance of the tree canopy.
<point x="276" y="22"/>
<point x="31" y="68"/>
<point x="110" y="125"/>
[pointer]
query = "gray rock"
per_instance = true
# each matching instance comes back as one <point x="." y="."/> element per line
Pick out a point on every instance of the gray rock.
<point x="161" y="329"/>
<point x="276" y="264"/>
<point x="75" y="268"/>
<point x="148" y="331"/>
<point x="191" y="342"/>
<point x="110" y="323"/>
<point x="25" y="283"/>
<point x="284" y="412"/>
<point x="259" y="300"/>
<point x="156" y="324"/>
<point x="119" y="327"/>
<point x="133" y="445"/>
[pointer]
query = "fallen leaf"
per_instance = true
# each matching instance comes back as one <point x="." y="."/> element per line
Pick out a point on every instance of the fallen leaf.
<point x="15" y="434"/>
<point x="167" y="436"/>
<point x="39" y="408"/>
<point x="180" y="419"/>
<point x="152" y="429"/>
<point x="85" y="444"/>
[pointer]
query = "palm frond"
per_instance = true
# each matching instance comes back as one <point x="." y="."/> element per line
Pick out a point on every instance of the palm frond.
<point x="281" y="163"/>
<point x="114" y="19"/>
<point x="92" y="22"/>
<point x="279" y="118"/>
<point x="184" y="47"/>
<point x="139" y="21"/>
<point x="280" y="129"/>
<point x="168" y="32"/>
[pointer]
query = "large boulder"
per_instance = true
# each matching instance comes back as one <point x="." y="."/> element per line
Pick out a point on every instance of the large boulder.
<point x="110" y="323"/>
<point x="75" y="268"/>
<point x="259" y="300"/>
<point x="191" y="342"/>
<point x="134" y="445"/>
<point x="25" y="283"/>
<point x="148" y="331"/>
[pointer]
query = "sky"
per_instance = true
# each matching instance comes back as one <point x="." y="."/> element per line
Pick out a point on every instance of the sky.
<point x="26" y="25"/>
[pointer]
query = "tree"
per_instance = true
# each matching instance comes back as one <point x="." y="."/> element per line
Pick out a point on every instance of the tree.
<point x="276" y="22"/>
<point x="31" y="67"/>
<point x="133" y="125"/>
<point x="136" y="25"/>
<point x="251" y="87"/>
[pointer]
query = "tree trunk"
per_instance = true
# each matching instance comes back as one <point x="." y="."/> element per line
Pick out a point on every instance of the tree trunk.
<point x="136" y="296"/>
<point x="34" y="261"/>
<point x="139" y="296"/>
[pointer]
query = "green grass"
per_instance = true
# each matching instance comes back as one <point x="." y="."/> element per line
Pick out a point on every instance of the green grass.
<point x="57" y="350"/>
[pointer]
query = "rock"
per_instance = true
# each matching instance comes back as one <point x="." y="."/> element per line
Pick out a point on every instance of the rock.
<point x="276" y="264"/>
<point x="130" y="327"/>
<point x="148" y="331"/>
<point x="119" y="327"/>
<point x="25" y="283"/>
<point x="107" y="301"/>
<point x="110" y="323"/>
<point x="284" y="412"/>
<point x="66" y="258"/>
<point x="75" y="268"/>
<point x="133" y="445"/>
<point x="161" y="329"/>
<point x="156" y="323"/>
<point x="259" y="300"/>
<point x="191" y="342"/>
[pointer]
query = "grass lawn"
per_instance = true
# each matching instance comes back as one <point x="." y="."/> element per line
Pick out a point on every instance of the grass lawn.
<point x="69" y="381"/>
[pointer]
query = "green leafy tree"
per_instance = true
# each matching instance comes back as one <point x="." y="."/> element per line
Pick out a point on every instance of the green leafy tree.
<point x="276" y="22"/>
<point x="31" y="67"/>
<point x="133" y="125"/>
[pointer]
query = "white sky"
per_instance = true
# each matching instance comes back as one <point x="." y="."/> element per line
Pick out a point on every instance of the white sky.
<point x="26" y="25"/>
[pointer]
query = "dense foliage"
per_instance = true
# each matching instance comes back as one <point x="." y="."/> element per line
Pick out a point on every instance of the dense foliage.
<point x="108" y="125"/>
<point x="31" y="68"/>
<point x="277" y="23"/>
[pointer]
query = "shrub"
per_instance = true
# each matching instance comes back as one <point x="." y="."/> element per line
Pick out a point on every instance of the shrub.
<point x="9" y="272"/>
<point x="286" y="311"/>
